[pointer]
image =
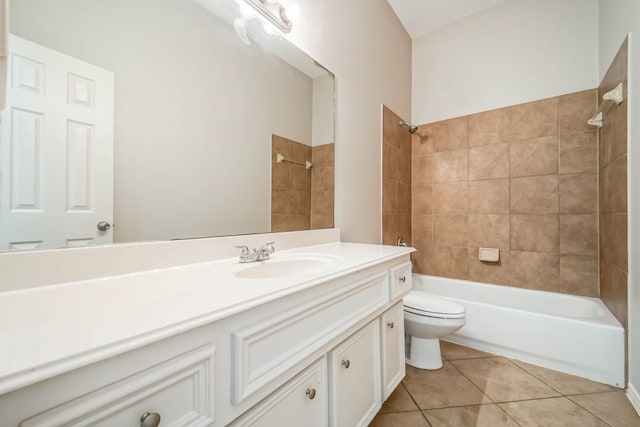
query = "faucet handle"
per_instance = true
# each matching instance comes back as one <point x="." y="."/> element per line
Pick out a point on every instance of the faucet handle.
<point x="268" y="247"/>
<point x="245" y="251"/>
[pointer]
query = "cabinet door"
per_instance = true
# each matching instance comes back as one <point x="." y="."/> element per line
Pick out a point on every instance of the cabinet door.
<point x="393" y="367"/>
<point x="301" y="402"/>
<point x="354" y="378"/>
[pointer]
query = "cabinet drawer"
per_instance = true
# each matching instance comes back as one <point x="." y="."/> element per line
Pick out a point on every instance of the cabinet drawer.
<point x="181" y="390"/>
<point x="264" y="351"/>
<point x="301" y="402"/>
<point x="354" y="378"/>
<point x="393" y="367"/>
<point x="400" y="279"/>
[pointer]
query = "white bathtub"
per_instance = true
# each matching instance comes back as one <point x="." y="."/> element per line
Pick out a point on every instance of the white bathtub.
<point x="572" y="334"/>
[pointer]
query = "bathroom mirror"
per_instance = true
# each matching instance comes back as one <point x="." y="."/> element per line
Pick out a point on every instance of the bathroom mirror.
<point x="167" y="111"/>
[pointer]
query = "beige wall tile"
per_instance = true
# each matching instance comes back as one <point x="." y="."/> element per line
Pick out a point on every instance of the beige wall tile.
<point x="422" y="140"/>
<point x="450" y="230"/>
<point x="497" y="273"/>
<point x="535" y="270"/>
<point x="575" y="109"/>
<point x="322" y="155"/>
<point x="421" y="199"/>
<point x="422" y="261"/>
<point x="299" y="202"/>
<point x="450" y="262"/>
<point x="322" y="203"/>
<point x="279" y="201"/>
<point x="422" y="229"/>
<point x="298" y="176"/>
<point x="300" y="152"/>
<point x="579" y="152"/>
<point x="392" y="133"/>
<point x="422" y="169"/>
<point x="404" y="198"/>
<point x="321" y="221"/>
<point x="299" y="222"/>
<point x="484" y="127"/>
<point x="279" y="222"/>
<point x="530" y="120"/>
<point x="534" y="195"/>
<point x="450" y="198"/>
<point x="535" y="233"/>
<point x="491" y="196"/>
<point x="618" y="141"/>
<point x="578" y="193"/>
<point x="450" y="166"/>
<point x="489" y="231"/>
<point x="618" y="184"/>
<point x="389" y="197"/>
<point x="489" y="162"/>
<point x="451" y="134"/>
<point x="579" y="234"/>
<point x="394" y="226"/>
<point x="538" y="156"/>
<point x="280" y="175"/>
<point x="579" y="275"/>
<point x="396" y="164"/>
<point x="619" y="251"/>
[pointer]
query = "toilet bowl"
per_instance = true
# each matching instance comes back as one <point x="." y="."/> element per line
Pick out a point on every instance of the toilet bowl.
<point x="427" y="318"/>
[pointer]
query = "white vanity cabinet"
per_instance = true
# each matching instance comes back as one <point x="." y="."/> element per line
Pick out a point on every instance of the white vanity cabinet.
<point x="328" y="353"/>
<point x="354" y="378"/>
<point x="393" y="367"/>
<point x="300" y="402"/>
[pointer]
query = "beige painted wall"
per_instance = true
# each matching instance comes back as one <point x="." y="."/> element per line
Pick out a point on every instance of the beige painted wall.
<point x="364" y="44"/>
<point x="515" y="52"/>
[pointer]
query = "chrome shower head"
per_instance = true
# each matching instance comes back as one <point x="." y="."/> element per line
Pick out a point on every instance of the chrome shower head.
<point x="412" y="128"/>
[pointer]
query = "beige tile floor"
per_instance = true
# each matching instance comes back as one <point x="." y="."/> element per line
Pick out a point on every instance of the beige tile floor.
<point x="477" y="389"/>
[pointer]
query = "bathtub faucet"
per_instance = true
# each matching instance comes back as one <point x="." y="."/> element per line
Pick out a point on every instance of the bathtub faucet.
<point x="401" y="241"/>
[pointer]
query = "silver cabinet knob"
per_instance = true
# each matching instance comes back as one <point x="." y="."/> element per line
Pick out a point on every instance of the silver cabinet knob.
<point x="402" y="279"/>
<point x="311" y="393"/>
<point x="390" y="325"/>
<point x="150" y="419"/>
<point x="346" y="363"/>
<point x="103" y="226"/>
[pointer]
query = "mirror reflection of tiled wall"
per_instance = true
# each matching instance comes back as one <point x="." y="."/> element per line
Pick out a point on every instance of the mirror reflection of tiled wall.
<point x="301" y="199"/>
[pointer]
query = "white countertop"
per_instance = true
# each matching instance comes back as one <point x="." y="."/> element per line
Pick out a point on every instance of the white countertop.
<point x="52" y="329"/>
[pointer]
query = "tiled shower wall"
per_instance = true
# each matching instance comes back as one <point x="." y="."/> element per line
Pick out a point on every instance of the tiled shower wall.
<point x="396" y="179"/>
<point x="522" y="179"/>
<point x="613" y="194"/>
<point x="301" y="199"/>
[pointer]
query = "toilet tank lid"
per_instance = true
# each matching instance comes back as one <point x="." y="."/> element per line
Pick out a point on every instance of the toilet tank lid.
<point x="430" y="303"/>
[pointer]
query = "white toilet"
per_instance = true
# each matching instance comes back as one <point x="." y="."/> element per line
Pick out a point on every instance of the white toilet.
<point x="427" y="318"/>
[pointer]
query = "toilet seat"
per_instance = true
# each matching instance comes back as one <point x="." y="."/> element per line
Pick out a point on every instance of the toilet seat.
<point x="429" y="305"/>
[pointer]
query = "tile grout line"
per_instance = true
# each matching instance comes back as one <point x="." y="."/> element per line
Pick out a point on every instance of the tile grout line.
<point x="415" y="403"/>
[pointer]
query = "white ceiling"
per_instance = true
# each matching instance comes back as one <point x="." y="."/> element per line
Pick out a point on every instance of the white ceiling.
<point x="422" y="16"/>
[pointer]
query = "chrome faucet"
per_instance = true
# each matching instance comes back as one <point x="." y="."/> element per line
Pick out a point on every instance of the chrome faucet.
<point x="259" y="254"/>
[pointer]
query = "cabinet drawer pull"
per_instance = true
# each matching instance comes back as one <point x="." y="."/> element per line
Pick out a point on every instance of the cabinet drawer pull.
<point x="402" y="279"/>
<point x="311" y="392"/>
<point x="150" y="419"/>
<point x="390" y="325"/>
<point x="346" y="363"/>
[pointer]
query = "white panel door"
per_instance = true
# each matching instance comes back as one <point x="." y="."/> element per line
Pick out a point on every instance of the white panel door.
<point x="56" y="150"/>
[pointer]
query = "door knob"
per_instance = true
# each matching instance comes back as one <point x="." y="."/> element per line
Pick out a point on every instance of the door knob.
<point x="103" y="226"/>
<point x="346" y="363"/>
<point x="311" y="393"/>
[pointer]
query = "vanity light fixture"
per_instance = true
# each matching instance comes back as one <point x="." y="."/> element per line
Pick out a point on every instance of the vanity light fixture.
<point x="273" y="12"/>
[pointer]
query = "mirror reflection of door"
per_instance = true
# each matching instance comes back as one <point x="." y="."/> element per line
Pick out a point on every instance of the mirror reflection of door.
<point x="56" y="138"/>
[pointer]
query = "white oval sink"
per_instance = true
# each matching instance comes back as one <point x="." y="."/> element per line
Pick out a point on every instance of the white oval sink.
<point x="287" y="267"/>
